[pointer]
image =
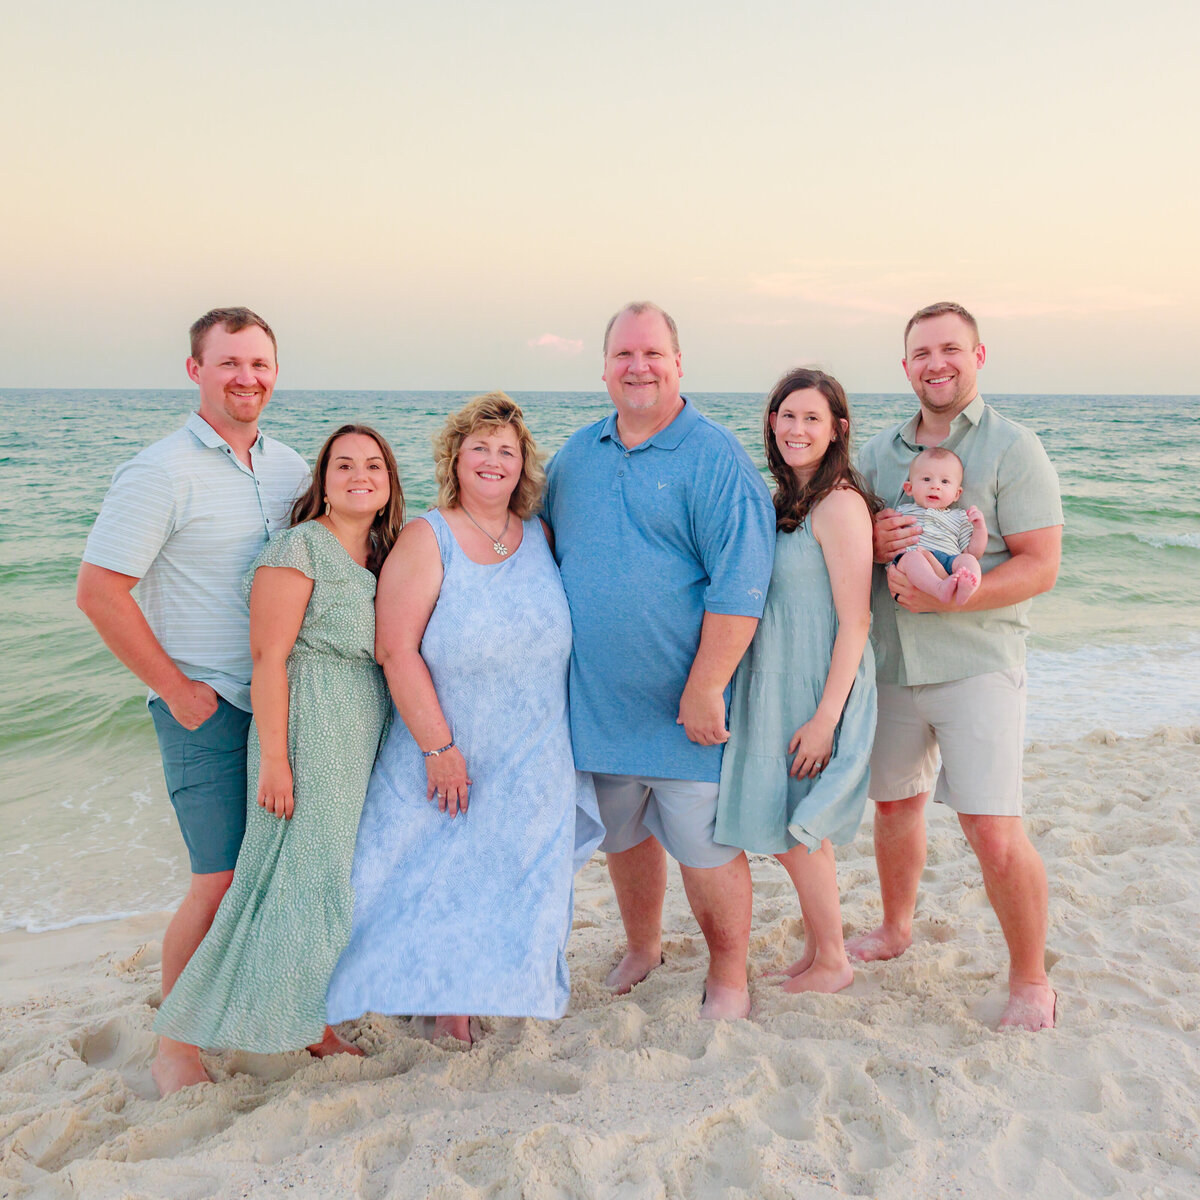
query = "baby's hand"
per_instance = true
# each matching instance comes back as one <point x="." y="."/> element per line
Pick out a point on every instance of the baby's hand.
<point x="975" y="516"/>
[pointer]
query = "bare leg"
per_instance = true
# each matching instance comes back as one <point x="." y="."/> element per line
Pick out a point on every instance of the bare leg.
<point x="924" y="571"/>
<point x="967" y="574"/>
<point x="721" y="900"/>
<point x="1015" y="880"/>
<point x="815" y="877"/>
<point x="900" y="859"/>
<point x="456" y="1027"/>
<point x="176" y="1065"/>
<point x="639" y="878"/>
<point x="332" y="1043"/>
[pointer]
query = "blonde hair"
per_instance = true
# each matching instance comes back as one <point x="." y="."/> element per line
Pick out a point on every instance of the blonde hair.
<point x="490" y="412"/>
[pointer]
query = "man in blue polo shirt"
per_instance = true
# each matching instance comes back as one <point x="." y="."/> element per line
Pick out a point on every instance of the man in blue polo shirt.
<point x="664" y="533"/>
<point x="183" y="521"/>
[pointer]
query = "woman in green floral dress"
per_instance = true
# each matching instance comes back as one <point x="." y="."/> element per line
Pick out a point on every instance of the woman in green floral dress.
<point x="257" y="982"/>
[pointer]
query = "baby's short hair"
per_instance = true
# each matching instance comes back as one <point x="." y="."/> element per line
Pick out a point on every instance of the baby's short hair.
<point x="935" y="453"/>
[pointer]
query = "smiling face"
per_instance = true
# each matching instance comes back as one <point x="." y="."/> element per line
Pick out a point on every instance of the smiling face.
<point x="804" y="429"/>
<point x="236" y="374"/>
<point x="356" y="479"/>
<point x="934" y="482"/>
<point x="641" y="366"/>
<point x="942" y="359"/>
<point x="489" y="465"/>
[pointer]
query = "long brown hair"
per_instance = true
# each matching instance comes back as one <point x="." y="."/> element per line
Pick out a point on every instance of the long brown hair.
<point x="385" y="529"/>
<point x="795" y="500"/>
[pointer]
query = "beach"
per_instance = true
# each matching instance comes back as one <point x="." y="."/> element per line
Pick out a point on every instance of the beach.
<point x="900" y="1086"/>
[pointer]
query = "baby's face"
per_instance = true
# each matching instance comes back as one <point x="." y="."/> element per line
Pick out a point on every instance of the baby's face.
<point x="934" y="483"/>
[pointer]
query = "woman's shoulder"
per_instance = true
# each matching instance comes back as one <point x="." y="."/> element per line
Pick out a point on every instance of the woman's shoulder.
<point x="843" y="508"/>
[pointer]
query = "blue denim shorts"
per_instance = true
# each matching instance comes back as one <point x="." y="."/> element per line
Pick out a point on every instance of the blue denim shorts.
<point x="205" y="770"/>
<point x="947" y="560"/>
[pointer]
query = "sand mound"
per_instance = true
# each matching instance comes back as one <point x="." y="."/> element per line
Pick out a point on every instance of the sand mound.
<point x="898" y="1087"/>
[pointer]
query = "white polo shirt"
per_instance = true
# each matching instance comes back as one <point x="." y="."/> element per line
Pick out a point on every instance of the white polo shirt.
<point x="187" y="518"/>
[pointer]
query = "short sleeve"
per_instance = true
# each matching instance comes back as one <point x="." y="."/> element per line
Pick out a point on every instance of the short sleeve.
<point x="736" y="532"/>
<point x="288" y="548"/>
<point x="136" y="519"/>
<point x="1027" y="490"/>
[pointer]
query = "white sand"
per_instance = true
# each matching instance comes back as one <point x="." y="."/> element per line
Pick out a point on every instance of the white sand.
<point x="898" y="1087"/>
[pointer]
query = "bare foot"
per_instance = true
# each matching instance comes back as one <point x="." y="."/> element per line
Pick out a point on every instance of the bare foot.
<point x="798" y="967"/>
<point x="946" y="588"/>
<point x="966" y="583"/>
<point x="879" y="944"/>
<point x="721" y="1003"/>
<point x="1030" y="1006"/>
<point x="820" y="978"/>
<point x="331" y="1043"/>
<point x="630" y="971"/>
<point x="177" y="1065"/>
<point x="455" y="1027"/>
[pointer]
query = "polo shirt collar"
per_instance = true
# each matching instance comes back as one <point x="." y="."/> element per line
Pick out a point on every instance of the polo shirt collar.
<point x="208" y="436"/>
<point x="970" y="415"/>
<point x="667" y="438"/>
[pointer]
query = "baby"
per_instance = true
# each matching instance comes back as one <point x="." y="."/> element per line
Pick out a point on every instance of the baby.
<point x="945" y="562"/>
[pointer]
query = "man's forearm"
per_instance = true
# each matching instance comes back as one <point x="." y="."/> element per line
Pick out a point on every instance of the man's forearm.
<point x="107" y="603"/>
<point x="723" y="641"/>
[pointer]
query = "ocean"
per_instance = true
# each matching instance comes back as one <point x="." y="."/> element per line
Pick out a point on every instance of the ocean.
<point x="88" y="832"/>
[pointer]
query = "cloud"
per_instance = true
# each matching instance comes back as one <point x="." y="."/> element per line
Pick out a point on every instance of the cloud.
<point x="850" y="292"/>
<point x="560" y="345"/>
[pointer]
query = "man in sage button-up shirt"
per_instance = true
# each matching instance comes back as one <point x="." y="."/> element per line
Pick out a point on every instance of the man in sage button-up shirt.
<point x="952" y="678"/>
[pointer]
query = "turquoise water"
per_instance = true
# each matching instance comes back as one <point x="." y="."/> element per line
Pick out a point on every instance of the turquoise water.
<point x="87" y="828"/>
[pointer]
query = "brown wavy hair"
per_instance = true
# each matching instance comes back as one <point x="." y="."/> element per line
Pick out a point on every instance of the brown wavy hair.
<point x="385" y="529"/>
<point x="491" y="412"/>
<point x="795" y="500"/>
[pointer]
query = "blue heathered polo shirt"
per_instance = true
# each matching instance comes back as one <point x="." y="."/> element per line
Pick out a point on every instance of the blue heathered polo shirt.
<point x="648" y="540"/>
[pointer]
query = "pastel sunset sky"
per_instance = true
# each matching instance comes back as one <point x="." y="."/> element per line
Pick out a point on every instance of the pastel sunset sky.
<point x="458" y="195"/>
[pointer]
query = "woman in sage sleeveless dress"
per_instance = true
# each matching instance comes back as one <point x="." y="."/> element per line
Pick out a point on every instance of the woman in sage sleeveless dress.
<point x="468" y="912"/>
<point x="802" y="714"/>
<point x="257" y="981"/>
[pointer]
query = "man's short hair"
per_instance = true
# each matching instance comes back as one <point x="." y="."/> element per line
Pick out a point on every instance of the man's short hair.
<point x="233" y="320"/>
<point x="637" y="307"/>
<point x="942" y="308"/>
<point x="934" y="453"/>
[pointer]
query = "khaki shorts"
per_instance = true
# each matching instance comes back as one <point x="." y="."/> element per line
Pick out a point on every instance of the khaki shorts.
<point x="978" y="725"/>
<point x="680" y="813"/>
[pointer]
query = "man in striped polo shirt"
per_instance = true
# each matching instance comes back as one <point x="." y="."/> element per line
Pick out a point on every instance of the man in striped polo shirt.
<point x="183" y="521"/>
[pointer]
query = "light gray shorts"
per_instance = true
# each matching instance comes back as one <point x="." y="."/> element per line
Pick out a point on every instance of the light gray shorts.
<point x="681" y="813"/>
<point x="978" y="725"/>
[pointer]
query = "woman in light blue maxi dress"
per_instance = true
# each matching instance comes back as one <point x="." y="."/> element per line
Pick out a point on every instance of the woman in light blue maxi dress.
<point x="471" y="913"/>
<point x="802" y="714"/>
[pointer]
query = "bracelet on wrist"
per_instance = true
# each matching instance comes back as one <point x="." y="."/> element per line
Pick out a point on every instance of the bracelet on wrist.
<point x="442" y="750"/>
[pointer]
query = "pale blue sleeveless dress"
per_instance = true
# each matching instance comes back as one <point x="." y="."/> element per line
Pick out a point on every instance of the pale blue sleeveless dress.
<point x="472" y="915"/>
<point x="776" y="688"/>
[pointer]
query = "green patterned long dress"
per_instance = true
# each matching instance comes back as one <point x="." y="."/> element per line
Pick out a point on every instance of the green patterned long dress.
<point x="257" y="982"/>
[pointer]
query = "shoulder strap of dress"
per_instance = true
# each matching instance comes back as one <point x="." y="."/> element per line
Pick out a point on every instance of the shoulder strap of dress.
<point x="441" y="530"/>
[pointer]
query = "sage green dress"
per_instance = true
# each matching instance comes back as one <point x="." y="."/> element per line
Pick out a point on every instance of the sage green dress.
<point x="776" y="689"/>
<point x="257" y="982"/>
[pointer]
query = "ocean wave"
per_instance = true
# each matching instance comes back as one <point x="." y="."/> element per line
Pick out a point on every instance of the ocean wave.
<point x="33" y="925"/>
<point x="1189" y="540"/>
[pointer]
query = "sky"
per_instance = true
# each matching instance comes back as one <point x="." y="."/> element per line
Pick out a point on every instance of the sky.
<point x="457" y="196"/>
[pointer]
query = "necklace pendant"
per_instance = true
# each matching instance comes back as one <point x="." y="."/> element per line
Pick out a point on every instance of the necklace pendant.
<point x="500" y="548"/>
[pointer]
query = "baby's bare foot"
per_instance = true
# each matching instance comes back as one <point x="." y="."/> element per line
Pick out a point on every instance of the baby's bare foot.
<point x="966" y="584"/>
